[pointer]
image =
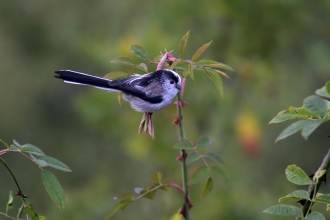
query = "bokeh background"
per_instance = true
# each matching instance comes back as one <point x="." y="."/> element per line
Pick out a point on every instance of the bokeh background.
<point x="280" y="53"/>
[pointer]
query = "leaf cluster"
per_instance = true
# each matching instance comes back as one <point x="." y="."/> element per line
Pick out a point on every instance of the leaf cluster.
<point x="314" y="112"/>
<point x="297" y="176"/>
<point x="49" y="180"/>
<point x="203" y="172"/>
<point x="211" y="68"/>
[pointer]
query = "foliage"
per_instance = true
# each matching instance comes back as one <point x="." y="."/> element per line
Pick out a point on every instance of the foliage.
<point x="314" y="112"/>
<point x="203" y="173"/>
<point x="52" y="185"/>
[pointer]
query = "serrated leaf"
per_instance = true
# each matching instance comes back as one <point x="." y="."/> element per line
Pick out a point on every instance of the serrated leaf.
<point x="325" y="198"/>
<point x="207" y="188"/>
<point x="184" y="144"/>
<point x="293" y="128"/>
<point x="53" y="188"/>
<point x="215" y="157"/>
<point x="31" y="149"/>
<point x="285" y="117"/>
<point x="193" y="157"/>
<point x="157" y="177"/>
<point x="297" y="176"/>
<point x="315" y="216"/>
<point x="220" y="173"/>
<point x="139" y="52"/>
<point x="4" y="143"/>
<point x="299" y="194"/>
<point x="214" y="64"/>
<point x="114" y="209"/>
<point x="54" y="163"/>
<point x="316" y="105"/>
<point x="183" y="43"/>
<point x="9" y="205"/>
<point x="310" y="127"/>
<point x="287" y="210"/>
<point x="216" y="79"/>
<point x="200" y="51"/>
<point x="124" y="61"/>
<point x="200" y="174"/>
<point x="124" y="196"/>
<point x="204" y="142"/>
<point x="116" y="75"/>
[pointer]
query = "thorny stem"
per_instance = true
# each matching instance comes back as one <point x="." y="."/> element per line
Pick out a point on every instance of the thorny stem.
<point x="183" y="161"/>
<point x="314" y="187"/>
<point x="20" y="193"/>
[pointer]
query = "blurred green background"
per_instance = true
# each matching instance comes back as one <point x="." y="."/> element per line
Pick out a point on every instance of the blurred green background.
<point x="279" y="49"/>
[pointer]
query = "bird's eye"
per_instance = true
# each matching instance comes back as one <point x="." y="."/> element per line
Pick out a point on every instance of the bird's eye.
<point x="171" y="81"/>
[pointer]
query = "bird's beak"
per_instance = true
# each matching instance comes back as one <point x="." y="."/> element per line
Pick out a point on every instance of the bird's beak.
<point x="178" y="87"/>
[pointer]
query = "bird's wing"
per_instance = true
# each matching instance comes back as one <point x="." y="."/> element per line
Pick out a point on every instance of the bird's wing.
<point x="143" y="87"/>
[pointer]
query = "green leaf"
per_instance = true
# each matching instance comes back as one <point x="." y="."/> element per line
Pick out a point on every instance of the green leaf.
<point x="220" y="173"/>
<point x="190" y="71"/>
<point x="9" y="205"/>
<point x="114" y="209"/>
<point x="115" y="75"/>
<point x="310" y="127"/>
<point x="299" y="194"/>
<point x="200" y="174"/>
<point x="297" y="176"/>
<point x="200" y="51"/>
<point x="174" y="64"/>
<point x="221" y="73"/>
<point x="157" y="177"/>
<point x="124" y="61"/>
<point x="288" y="210"/>
<point x="16" y="143"/>
<point x="124" y="196"/>
<point x="29" y="210"/>
<point x="215" y="157"/>
<point x="143" y="67"/>
<point x="184" y="144"/>
<point x="315" y="216"/>
<point x="149" y="193"/>
<point x="4" y="143"/>
<point x="286" y="117"/>
<point x="204" y="142"/>
<point x="193" y="157"/>
<point x="183" y="43"/>
<point x="325" y="198"/>
<point x="216" y="79"/>
<point x="139" y="52"/>
<point x="54" y="163"/>
<point x="293" y="128"/>
<point x="324" y="91"/>
<point x="31" y="149"/>
<point x="53" y="188"/>
<point x="214" y="64"/>
<point x="13" y="147"/>
<point x="317" y="105"/>
<point x="207" y="188"/>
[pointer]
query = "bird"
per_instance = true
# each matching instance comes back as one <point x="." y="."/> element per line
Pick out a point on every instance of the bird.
<point x="146" y="93"/>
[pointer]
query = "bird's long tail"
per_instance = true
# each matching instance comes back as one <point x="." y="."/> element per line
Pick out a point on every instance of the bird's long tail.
<point x="73" y="77"/>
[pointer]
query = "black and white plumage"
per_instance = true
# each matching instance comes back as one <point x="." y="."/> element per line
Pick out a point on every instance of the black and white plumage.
<point x="146" y="93"/>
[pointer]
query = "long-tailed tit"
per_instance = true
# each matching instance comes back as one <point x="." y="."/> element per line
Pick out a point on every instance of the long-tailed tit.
<point x="146" y="93"/>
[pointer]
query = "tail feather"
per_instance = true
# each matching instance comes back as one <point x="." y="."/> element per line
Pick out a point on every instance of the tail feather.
<point x="73" y="77"/>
